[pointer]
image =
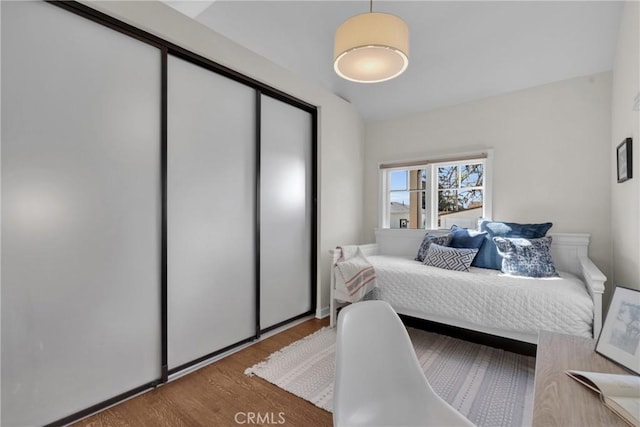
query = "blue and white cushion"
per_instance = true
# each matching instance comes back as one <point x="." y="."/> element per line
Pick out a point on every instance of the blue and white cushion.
<point x="428" y="240"/>
<point x="526" y="257"/>
<point x="488" y="257"/>
<point x="458" y="259"/>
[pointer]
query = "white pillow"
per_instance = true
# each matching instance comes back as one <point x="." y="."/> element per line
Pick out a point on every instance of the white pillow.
<point x="458" y="259"/>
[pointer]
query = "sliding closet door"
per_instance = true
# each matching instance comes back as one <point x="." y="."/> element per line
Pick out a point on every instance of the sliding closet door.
<point x="80" y="213"/>
<point x="211" y="212"/>
<point x="285" y="211"/>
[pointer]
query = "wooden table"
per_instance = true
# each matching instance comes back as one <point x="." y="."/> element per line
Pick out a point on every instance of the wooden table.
<point x="560" y="400"/>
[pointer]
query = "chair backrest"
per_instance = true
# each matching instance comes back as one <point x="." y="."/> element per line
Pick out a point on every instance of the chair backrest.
<point x="379" y="380"/>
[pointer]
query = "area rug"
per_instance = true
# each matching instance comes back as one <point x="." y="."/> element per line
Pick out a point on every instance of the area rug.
<point x="491" y="387"/>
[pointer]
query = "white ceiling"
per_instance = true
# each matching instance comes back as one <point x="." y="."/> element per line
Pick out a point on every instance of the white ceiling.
<point x="459" y="50"/>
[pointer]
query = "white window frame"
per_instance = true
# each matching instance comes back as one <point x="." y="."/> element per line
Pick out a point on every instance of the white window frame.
<point x="385" y="169"/>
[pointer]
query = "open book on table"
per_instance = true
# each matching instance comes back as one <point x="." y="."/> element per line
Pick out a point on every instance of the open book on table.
<point x="620" y="393"/>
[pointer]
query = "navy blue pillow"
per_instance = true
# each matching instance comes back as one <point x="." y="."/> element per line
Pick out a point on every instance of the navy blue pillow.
<point x="488" y="256"/>
<point x="465" y="238"/>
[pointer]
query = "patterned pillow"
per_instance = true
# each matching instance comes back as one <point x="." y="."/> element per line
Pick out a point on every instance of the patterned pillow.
<point x="526" y="257"/>
<point x="428" y="240"/>
<point x="488" y="257"/>
<point x="458" y="259"/>
<point x="466" y="238"/>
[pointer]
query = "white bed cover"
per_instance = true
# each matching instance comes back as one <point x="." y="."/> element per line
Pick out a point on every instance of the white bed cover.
<point x="486" y="297"/>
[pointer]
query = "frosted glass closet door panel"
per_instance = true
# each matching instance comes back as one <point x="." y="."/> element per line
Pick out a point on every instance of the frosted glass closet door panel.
<point x="286" y="207"/>
<point x="80" y="213"/>
<point x="211" y="212"/>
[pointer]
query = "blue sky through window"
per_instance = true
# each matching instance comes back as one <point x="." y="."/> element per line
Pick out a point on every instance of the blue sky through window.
<point x="399" y="180"/>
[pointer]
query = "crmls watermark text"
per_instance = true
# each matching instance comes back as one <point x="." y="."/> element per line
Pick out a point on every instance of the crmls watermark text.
<point x="261" y="418"/>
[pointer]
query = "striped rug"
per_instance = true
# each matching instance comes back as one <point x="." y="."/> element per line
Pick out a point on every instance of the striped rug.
<point x="491" y="387"/>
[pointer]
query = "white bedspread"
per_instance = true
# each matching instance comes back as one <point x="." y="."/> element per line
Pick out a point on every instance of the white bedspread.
<point x="486" y="297"/>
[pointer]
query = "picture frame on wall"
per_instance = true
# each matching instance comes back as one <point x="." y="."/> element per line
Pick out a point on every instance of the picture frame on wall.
<point x="624" y="160"/>
<point x="619" y="339"/>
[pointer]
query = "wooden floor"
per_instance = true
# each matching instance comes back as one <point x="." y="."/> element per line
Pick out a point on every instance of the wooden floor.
<point x="221" y="395"/>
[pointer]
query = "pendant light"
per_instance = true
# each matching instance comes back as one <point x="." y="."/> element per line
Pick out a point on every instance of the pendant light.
<point x="371" y="47"/>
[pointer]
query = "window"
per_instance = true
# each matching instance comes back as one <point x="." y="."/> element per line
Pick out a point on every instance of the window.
<point x="408" y="198"/>
<point x="435" y="194"/>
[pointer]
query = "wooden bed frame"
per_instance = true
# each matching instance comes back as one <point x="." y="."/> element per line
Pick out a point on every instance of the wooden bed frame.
<point x="569" y="251"/>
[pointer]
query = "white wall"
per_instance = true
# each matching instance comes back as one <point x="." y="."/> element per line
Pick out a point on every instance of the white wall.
<point x="550" y="162"/>
<point x="341" y="199"/>
<point x="341" y="131"/>
<point x="625" y="197"/>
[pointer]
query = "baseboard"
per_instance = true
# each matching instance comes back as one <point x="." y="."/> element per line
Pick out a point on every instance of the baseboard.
<point x="323" y="312"/>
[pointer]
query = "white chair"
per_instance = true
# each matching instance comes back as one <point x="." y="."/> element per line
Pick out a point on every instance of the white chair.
<point x="379" y="381"/>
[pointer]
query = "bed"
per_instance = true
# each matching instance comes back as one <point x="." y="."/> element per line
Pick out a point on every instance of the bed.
<point x="484" y="300"/>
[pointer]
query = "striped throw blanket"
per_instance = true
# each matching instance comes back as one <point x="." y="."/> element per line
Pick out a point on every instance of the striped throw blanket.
<point x="354" y="275"/>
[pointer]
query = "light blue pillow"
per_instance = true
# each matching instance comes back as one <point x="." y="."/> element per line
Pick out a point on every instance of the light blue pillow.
<point x="466" y="238"/>
<point x="488" y="256"/>
<point x="428" y="240"/>
<point x="458" y="259"/>
<point x="526" y="257"/>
